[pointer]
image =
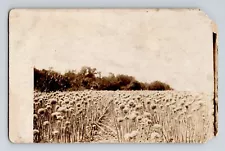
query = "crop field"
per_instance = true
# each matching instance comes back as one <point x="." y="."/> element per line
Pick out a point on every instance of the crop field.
<point x="122" y="117"/>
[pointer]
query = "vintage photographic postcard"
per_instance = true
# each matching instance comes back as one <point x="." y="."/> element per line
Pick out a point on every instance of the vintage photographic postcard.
<point x="112" y="76"/>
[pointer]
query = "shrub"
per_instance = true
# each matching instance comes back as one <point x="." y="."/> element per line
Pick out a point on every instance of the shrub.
<point x="157" y="85"/>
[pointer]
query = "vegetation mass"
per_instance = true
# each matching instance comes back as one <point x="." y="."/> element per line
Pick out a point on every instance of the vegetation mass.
<point x="89" y="78"/>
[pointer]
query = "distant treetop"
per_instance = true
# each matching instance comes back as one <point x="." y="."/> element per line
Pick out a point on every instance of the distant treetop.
<point x="90" y="78"/>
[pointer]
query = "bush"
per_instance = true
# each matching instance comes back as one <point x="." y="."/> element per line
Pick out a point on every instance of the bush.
<point x="159" y="86"/>
<point x="134" y="85"/>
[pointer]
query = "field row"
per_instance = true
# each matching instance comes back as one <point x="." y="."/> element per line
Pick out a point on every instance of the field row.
<point x="122" y="116"/>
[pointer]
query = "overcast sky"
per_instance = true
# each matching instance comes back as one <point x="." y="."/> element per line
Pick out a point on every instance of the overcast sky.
<point x="172" y="46"/>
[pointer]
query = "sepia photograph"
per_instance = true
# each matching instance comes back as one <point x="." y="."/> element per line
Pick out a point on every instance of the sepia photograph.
<point x="119" y="75"/>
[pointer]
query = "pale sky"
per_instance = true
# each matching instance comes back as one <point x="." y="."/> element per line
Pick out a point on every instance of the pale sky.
<point x="173" y="46"/>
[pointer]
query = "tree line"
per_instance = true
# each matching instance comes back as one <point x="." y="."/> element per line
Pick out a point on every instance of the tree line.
<point x="90" y="78"/>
